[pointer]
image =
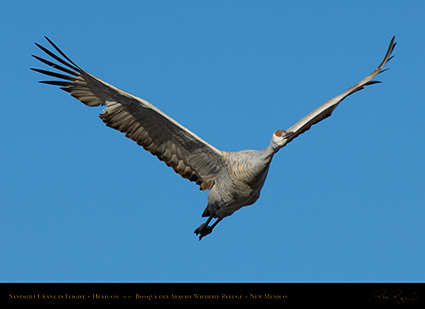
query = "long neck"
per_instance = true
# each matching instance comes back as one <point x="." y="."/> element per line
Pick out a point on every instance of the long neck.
<point x="270" y="150"/>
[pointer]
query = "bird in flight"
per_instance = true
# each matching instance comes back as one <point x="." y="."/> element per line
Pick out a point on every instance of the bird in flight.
<point x="234" y="179"/>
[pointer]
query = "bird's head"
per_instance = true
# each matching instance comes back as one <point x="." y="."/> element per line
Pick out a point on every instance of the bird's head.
<point x="279" y="139"/>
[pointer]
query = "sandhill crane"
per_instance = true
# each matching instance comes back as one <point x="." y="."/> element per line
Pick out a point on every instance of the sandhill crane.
<point x="234" y="179"/>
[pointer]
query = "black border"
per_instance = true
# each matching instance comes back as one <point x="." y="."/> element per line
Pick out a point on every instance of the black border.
<point x="213" y="293"/>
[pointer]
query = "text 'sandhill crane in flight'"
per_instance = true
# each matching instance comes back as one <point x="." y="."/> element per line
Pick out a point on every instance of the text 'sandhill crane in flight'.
<point x="234" y="179"/>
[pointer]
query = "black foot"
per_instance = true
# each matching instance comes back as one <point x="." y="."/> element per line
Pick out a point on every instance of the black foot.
<point x="203" y="230"/>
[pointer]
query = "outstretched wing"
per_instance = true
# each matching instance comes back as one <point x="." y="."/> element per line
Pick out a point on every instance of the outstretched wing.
<point x="326" y="109"/>
<point x="189" y="155"/>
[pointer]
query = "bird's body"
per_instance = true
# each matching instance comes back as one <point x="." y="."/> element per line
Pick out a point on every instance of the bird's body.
<point x="240" y="183"/>
<point x="234" y="179"/>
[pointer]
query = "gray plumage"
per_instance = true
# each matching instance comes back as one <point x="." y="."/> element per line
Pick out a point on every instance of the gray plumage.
<point x="234" y="179"/>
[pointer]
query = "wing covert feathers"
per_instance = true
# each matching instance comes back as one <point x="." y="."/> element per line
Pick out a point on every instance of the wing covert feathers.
<point x="185" y="152"/>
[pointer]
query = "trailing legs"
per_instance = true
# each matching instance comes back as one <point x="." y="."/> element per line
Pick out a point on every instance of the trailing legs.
<point x="204" y="229"/>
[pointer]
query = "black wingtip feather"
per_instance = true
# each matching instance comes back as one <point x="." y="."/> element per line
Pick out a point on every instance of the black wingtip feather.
<point x="48" y="52"/>
<point x="54" y="74"/>
<point x="65" y="89"/>
<point x="61" y="52"/>
<point x="56" y="66"/>
<point x="372" y="82"/>
<point x="55" y="82"/>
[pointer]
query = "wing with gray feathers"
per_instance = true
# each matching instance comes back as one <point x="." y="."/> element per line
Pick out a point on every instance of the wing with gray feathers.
<point x="326" y="109"/>
<point x="189" y="155"/>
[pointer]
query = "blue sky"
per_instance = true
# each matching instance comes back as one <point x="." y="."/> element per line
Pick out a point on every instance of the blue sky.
<point x="344" y="202"/>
